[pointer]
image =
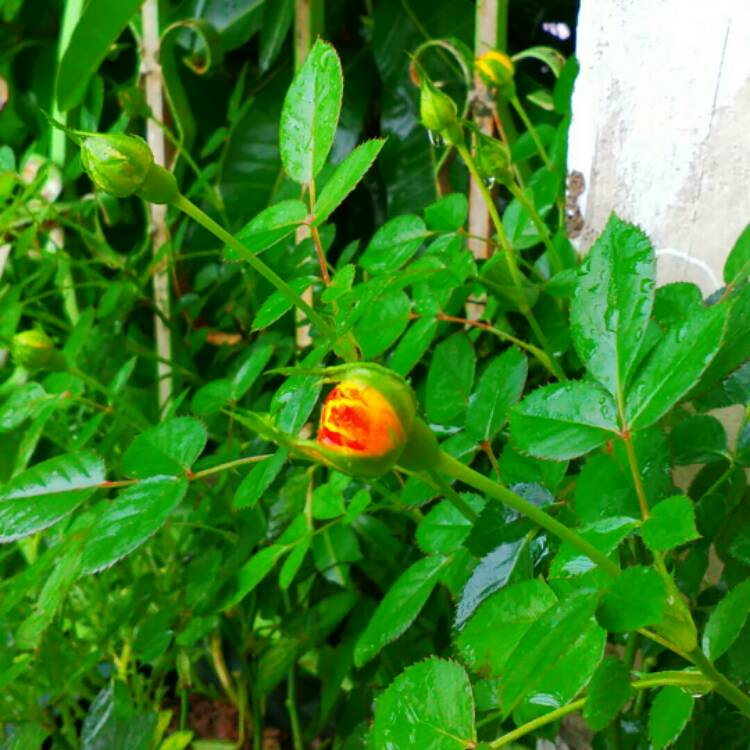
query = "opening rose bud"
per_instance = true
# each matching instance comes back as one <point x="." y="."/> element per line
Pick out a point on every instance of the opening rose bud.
<point x="358" y="420"/>
<point x="496" y="69"/>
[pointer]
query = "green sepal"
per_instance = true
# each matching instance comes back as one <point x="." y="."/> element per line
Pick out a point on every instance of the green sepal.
<point x="34" y="350"/>
<point x="677" y="625"/>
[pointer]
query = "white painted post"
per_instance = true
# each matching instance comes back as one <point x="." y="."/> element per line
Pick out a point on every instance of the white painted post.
<point x="661" y="127"/>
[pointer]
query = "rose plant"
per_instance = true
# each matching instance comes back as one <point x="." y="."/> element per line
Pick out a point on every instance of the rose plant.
<point x="403" y="494"/>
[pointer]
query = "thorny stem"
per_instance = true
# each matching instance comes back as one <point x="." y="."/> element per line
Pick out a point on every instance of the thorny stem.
<point x="516" y="104"/>
<point x="258" y="265"/>
<point x="693" y="680"/>
<point x="457" y="470"/>
<point x="510" y="259"/>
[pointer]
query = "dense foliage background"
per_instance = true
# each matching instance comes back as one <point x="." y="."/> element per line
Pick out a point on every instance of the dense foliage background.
<point x="172" y="579"/>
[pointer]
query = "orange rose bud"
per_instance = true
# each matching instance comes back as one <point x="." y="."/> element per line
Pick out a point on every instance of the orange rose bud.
<point x="358" y="420"/>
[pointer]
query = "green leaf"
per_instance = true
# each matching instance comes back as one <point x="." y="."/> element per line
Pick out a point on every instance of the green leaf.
<point x="20" y="405"/>
<point x="253" y="572"/>
<point x="603" y="490"/>
<point x="258" y="480"/>
<point x="294" y="561"/>
<point x="563" y="420"/>
<point x="277" y="20"/>
<point x="500" y="386"/>
<point x="111" y="725"/>
<point x="670" y="524"/>
<point x="444" y="528"/>
<point x="212" y="397"/>
<point x="448" y="214"/>
<point x="399" y="608"/>
<point x="508" y="563"/>
<point x="383" y="322"/>
<point x="345" y="178"/>
<point x="278" y="304"/>
<point x="499" y="623"/>
<point x="699" y="439"/>
<point x="98" y="28"/>
<point x="544" y="643"/>
<point x="51" y="597"/>
<point x="249" y="368"/>
<point x="167" y="449"/>
<point x="414" y="343"/>
<point x="26" y="736"/>
<point x="449" y="380"/>
<point x="636" y="598"/>
<point x="135" y="515"/>
<point x="567" y="677"/>
<point x="612" y="303"/>
<point x="726" y="621"/>
<point x="269" y="227"/>
<point x="608" y="693"/>
<point x="47" y="492"/>
<point x="675" y="366"/>
<point x="311" y="113"/>
<point x="670" y="712"/>
<point x="393" y="244"/>
<point x="429" y="705"/>
<point x="605" y="535"/>
<point x="737" y="264"/>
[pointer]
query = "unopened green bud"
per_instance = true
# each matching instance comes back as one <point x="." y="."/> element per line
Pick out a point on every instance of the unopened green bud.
<point x="439" y="113"/>
<point x="34" y="350"/>
<point x="492" y="157"/>
<point x="116" y="163"/>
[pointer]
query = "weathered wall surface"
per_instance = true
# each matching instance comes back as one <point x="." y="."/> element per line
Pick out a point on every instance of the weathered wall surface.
<point x="661" y="127"/>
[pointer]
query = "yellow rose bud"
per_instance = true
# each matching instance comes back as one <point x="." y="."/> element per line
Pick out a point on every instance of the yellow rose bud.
<point x="496" y="69"/>
<point x="34" y="350"/>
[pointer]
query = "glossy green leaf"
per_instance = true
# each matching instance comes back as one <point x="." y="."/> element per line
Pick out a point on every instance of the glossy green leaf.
<point x="278" y="304"/>
<point x="253" y="572"/>
<point x="345" y="178"/>
<point x="563" y="420"/>
<point x="699" y="439"/>
<point x="249" y="368"/>
<point x="294" y="561"/>
<point x="167" y="449"/>
<point x="636" y="598"/>
<point x="448" y="214"/>
<point x="212" y="397"/>
<point x="737" y="264"/>
<point x="726" y="621"/>
<point x="670" y="712"/>
<point x="26" y="736"/>
<point x="98" y="28"/>
<point x="269" y="227"/>
<point x="449" y="380"/>
<point x="20" y="405"/>
<point x="399" y="608"/>
<point x="567" y="677"/>
<point x="500" y="386"/>
<point x="258" y="480"/>
<point x="608" y="693"/>
<point x="671" y="523"/>
<point x="498" y="624"/>
<point x="674" y="366"/>
<point x="135" y="515"/>
<point x="382" y="323"/>
<point x="605" y="535"/>
<point x="412" y="346"/>
<point x="311" y="113"/>
<point x="544" y="643"/>
<point x="45" y="493"/>
<point x="508" y="563"/>
<point x="444" y="528"/>
<point x="111" y="724"/>
<point x="612" y="304"/>
<point x="277" y="20"/>
<point x="429" y="705"/>
<point x="602" y="491"/>
<point x="393" y="244"/>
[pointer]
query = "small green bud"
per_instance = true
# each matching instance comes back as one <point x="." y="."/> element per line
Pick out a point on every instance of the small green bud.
<point x="116" y="163"/>
<point x="439" y="113"/>
<point x="160" y="186"/>
<point x="492" y="157"/>
<point x="34" y="350"/>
